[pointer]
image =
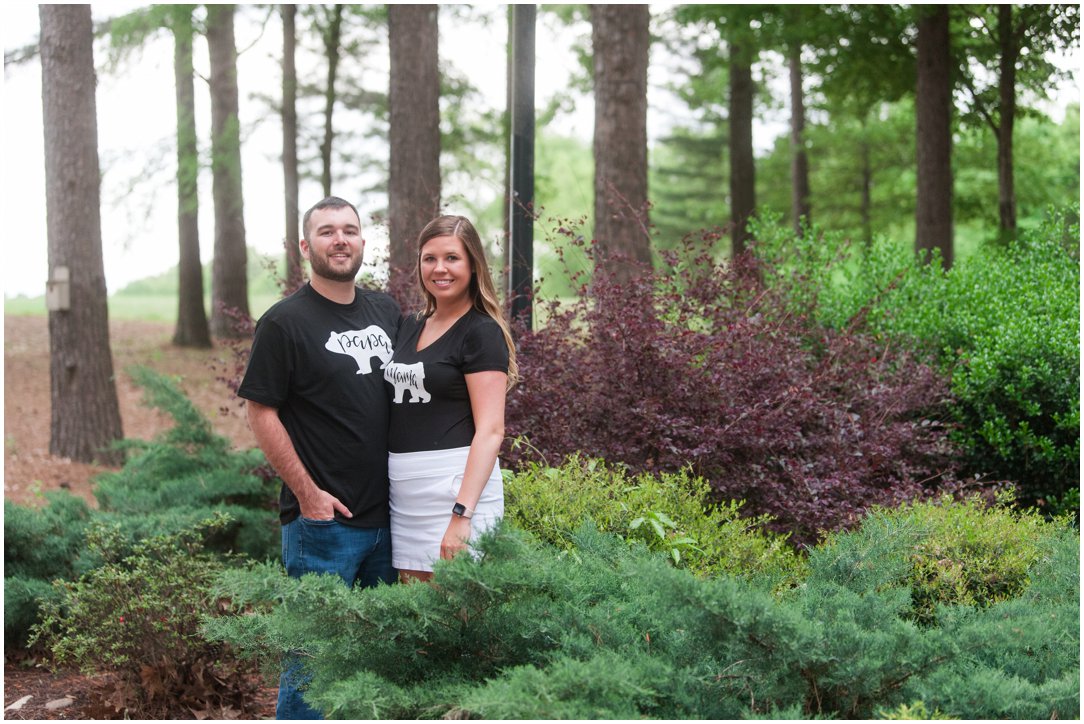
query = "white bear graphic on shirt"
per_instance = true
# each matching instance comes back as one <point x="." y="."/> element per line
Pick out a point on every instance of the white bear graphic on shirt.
<point x="362" y="345"/>
<point x="407" y="378"/>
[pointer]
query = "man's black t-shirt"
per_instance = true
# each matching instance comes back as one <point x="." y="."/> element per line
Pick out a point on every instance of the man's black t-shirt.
<point x="320" y="364"/>
<point x="430" y="404"/>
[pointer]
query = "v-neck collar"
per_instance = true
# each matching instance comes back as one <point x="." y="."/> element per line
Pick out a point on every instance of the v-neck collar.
<point x="421" y="328"/>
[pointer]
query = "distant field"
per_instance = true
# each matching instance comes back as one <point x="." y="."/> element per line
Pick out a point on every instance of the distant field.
<point x="155" y="299"/>
<point x="148" y="307"/>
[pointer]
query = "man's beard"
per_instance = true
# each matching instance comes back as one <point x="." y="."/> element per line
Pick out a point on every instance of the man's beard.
<point x="322" y="268"/>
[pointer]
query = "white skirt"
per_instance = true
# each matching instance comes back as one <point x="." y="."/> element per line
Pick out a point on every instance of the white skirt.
<point x="424" y="486"/>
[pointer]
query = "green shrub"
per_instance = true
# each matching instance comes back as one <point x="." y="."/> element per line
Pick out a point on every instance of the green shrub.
<point x="24" y="599"/>
<point x="167" y="485"/>
<point x="1011" y="332"/>
<point x="808" y="425"/>
<point x="41" y="544"/>
<point x="669" y="513"/>
<point x="958" y="553"/>
<point x="1004" y="323"/>
<point x="139" y="618"/>
<point x="607" y="686"/>
<point x="46" y="542"/>
<point x="187" y="473"/>
<point x="1019" y="658"/>
<point x="605" y="629"/>
<point x="910" y="712"/>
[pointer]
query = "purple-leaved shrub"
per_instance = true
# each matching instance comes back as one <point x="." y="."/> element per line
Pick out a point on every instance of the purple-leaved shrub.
<point x="699" y="365"/>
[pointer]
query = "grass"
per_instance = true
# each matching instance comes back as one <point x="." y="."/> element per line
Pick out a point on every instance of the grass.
<point x="129" y="306"/>
<point x="155" y="299"/>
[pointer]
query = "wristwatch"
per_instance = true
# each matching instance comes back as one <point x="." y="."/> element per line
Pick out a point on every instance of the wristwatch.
<point x="462" y="511"/>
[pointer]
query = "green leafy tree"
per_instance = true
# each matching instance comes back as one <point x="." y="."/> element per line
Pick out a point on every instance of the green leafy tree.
<point x="687" y="181"/>
<point x="332" y="39"/>
<point x="864" y="65"/>
<point x="564" y="195"/>
<point x="128" y="34"/>
<point x="861" y="172"/>
<point x="1012" y="45"/>
<point x="689" y="178"/>
<point x="737" y="26"/>
<point x="192" y="329"/>
<point x="791" y="29"/>
<point x="351" y="50"/>
<point x="1046" y="169"/>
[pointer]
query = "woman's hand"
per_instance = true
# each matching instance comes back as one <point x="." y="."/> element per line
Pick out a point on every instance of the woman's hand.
<point x="456" y="537"/>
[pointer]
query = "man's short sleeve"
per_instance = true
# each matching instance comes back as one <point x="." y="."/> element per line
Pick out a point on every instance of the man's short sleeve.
<point x="270" y="366"/>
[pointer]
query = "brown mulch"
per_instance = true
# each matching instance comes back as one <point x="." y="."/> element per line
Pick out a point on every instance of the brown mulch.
<point x="43" y="695"/>
<point x="30" y="471"/>
<point x="70" y="692"/>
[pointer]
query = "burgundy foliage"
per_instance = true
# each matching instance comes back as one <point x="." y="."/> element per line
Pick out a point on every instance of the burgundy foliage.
<point x="231" y="370"/>
<point x="700" y="365"/>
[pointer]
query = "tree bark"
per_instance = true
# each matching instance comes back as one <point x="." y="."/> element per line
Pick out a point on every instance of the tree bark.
<point x="799" y="160"/>
<point x="743" y="195"/>
<point x="85" y="415"/>
<point x="866" y="208"/>
<point x="414" y="138"/>
<point x="289" y="148"/>
<point x="1006" y="189"/>
<point x="229" y="272"/>
<point x="933" y="121"/>
<point x="332" y="40"/>
<point x="506" y="256"/>
<point x="192" y="329"/>
<point x="621" y="40"/>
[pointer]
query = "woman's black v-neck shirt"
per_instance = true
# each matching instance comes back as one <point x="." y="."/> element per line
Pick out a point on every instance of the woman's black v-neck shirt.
<point x="430" y="405"/>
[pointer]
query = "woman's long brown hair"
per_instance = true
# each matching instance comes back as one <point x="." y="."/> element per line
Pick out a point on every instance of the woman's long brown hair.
<point x="482" y="292"/>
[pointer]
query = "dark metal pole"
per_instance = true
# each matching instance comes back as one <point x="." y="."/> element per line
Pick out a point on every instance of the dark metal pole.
<point x="521" y="193"/>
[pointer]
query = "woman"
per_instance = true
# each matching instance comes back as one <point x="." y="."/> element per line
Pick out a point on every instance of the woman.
<point x="452" y="366"/>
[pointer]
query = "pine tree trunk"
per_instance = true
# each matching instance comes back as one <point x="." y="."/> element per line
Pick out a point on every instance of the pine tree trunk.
<point x="85" y="415"/>
<point x="414" y="138"/>
<point x="799" y="160"/>
<point x="229" y="272"/>
<point x="506" y="216"/>
<point x="933" y="115"/>
<point x="332" y="39"/>
<point x="1006" y="190"/>
<point x="621" y="41"/>
<point x="289" y="147"/>
<point x="866" y="204"/>
<point x="743" y="195"/>
<point x="192" y="329"/>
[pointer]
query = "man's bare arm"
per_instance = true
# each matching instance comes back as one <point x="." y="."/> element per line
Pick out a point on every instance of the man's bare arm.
<point x="271" y="436"/>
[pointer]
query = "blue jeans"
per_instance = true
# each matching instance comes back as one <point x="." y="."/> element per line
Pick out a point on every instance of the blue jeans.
<point x="360" y="556"/>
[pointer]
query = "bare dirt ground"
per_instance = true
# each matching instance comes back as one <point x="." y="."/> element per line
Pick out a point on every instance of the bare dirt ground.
<point x="30" y="471"/>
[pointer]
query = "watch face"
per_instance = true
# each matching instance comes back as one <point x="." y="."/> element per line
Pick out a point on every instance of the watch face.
<point x="459" y="509"/>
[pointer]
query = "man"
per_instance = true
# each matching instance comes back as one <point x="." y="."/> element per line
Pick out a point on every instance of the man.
<point x="318" y="409"/>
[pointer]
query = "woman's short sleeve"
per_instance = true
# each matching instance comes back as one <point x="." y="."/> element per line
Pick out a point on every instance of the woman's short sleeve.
<point x="484" y="348"/>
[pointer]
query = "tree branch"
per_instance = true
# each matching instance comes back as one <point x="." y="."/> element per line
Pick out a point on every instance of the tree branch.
<point x="979" y="105"/>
